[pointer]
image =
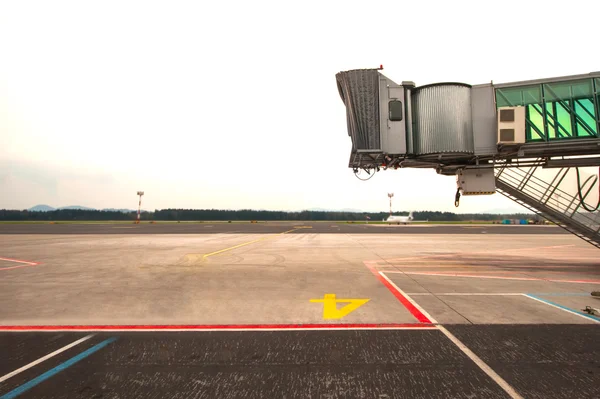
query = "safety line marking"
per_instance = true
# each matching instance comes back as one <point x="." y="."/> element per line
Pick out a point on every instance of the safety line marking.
<point x="458" y="264"/>
<point x="412" y="306"/>
<point x="470" y="354"/>
<point x="20" y="261"/>
<point x="25" y="263"/>
<point x="465" y="294"/>
<point x="222" y="327"/>
<point x="495" y="293"/>
<point x="244" y="244"/>
<point x="481" y="364"/>
<point x="497" y="277"/>
<point x="43" y="377"/>
<point x="397" y="293"/>
<point x="15" y="267"/>
<point x="41" y="359"/>
<point x="561" y="307"/>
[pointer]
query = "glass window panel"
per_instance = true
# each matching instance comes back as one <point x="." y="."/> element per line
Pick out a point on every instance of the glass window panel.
<point x="585" y="111"/>
<point x="563" y="117"/>
<point x="514" y="96"/>
<point x="552" y="133"/>
<point x="568" y="90"/>
<point x="532" y="94"/>
<point x="569" y="107"/>
<point x="583" y="132"/>
<point x="395" y="110"/>
<point x="534" y="120"/>
<point x="583" y="89"/>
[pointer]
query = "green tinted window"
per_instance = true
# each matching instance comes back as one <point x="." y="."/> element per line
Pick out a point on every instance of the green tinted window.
<point x="559" y="121"/>
<point x="534" y="123"/>
<point x="514" y="96"/>
<point x="556" y="111"/>
<point x="586" y="117"/>
<point x="568" y="90"/>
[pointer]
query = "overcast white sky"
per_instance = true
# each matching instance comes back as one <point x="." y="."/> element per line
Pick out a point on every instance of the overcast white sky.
<point x="234" y="104"/>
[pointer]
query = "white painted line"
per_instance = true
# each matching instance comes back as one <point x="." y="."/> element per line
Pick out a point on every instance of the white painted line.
<point x="480" y="363"/>
<point x="497" y="277"/>
<point x="449" y="274"/>
<point x="41" y="359"/>
<point x="587" y="317"/>
<point x="475" y="268"/>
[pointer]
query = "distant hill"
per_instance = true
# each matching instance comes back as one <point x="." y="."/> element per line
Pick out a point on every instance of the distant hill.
<point x="41" y="208"/>
<point x="48" y="208"/>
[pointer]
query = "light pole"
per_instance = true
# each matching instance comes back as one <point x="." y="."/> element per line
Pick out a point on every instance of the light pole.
<point x="140" y="193"/>
<point x="390" y="195"/>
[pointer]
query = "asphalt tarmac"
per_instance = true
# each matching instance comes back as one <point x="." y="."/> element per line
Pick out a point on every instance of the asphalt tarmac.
<point x="297" y="311"/>
<point x="538" y="362"/>
<point x="274" y="228"/>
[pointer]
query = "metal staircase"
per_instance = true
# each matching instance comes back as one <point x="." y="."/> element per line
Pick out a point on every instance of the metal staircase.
<point x="549" y="201"/>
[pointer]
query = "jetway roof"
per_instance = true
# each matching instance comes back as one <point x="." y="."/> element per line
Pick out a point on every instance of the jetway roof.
<point x="548" y="80"/>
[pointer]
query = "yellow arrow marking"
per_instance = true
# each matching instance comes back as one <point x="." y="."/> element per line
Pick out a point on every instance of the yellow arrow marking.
<point x="330" y="310"/>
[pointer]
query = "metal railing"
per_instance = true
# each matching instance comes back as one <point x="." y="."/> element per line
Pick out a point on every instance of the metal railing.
<point x="550" y="201"/>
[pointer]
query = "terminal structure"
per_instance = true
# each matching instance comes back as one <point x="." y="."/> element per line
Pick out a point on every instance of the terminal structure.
<point x="536" y="142"/>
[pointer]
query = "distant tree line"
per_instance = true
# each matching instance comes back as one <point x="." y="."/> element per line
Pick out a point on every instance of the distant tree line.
<point x="65" y="214"/>
<point x="239" y="215"/>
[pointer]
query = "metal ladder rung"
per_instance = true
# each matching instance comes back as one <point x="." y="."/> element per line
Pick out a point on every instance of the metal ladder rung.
<point x="527" y="198"/>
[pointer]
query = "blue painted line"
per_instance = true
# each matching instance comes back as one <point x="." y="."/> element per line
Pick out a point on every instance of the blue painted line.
<point x="589" y="316"/>
<point x="41" y="378"/>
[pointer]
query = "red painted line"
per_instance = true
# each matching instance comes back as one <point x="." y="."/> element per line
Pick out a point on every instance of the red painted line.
<point x="14" y="267"/>
<point x="216" y="327"/>
<point x="403" y="300"/>
<point x="20" y="261"/>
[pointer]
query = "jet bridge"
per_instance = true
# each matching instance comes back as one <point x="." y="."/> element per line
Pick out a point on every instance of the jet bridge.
<point x="533" y="141"/>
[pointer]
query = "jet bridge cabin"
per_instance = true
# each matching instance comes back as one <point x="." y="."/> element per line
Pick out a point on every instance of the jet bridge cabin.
<point x="526" y="140"/>
<point x="447" y="125"/>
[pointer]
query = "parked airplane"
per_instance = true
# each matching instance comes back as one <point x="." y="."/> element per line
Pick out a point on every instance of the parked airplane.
<point x="400" y="219"/>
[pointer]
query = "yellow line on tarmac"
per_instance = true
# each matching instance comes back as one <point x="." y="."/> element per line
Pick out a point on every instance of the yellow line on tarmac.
<point x="243" y="244"/>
